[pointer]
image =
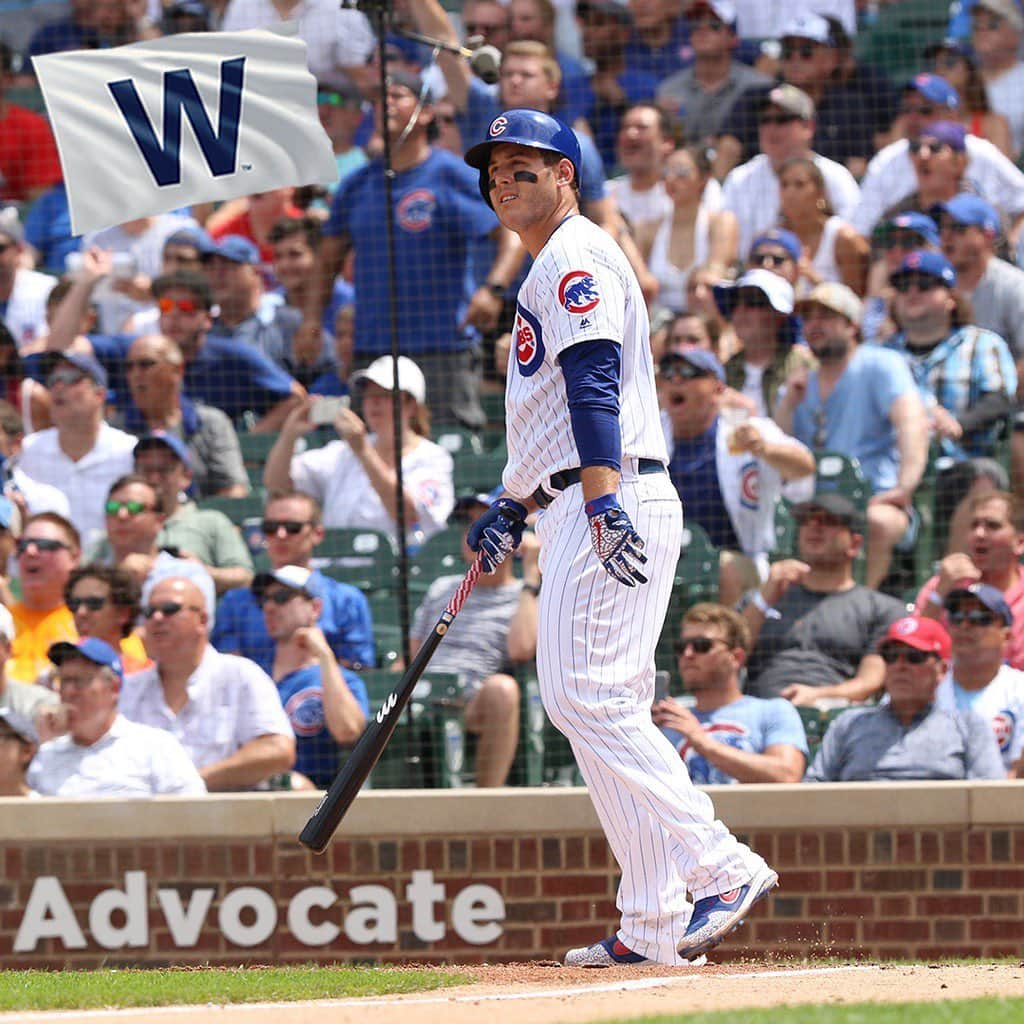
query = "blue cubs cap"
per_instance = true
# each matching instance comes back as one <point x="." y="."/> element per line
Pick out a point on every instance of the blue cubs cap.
<point x="237" y="249"/>
<point x="991" y="597"/>
<point x="920" y="223"/>
<point x="92" y="648"/>
<point x="949" y="133"/>
<point x="164" y="438"/>
<point x="699" y="358"/>
<point x="781" y="237"/>
<point x="921" y="261"/>
<point x="198" y="237"/>
<point x="87" y="364"/>
<point x="969" y="209"/>
<point x="294" y="577"/>
<point x="934" y="88"/>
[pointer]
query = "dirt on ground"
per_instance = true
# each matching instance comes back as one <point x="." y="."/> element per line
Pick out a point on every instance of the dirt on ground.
<point x="542" y="993"/>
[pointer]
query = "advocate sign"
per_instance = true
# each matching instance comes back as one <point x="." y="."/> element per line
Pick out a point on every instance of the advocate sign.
<point x="118" y="918"/>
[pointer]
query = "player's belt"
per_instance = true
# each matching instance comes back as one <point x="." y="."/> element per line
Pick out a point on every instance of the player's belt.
<point x="558" y="482"/>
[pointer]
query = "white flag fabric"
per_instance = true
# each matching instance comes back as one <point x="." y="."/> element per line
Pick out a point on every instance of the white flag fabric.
<point x="150" y="127"/>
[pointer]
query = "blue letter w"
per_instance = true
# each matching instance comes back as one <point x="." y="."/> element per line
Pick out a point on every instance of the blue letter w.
<point x="220" y="149"/>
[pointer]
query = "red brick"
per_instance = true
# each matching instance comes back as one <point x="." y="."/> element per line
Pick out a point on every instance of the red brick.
<point x="977" y="848"/>
<point x="481" y="855"/>
<point x="1004" y="905"/>
<point x="786" y="850"/>
<point x="574" y="857"/>
<point x="996" y="878"/>
<point x="947" y="951"/>
<point x="839" y="881"/>
<point x="930" y="847"/>
<point x="952" y="848"/>
<point x="892" y="931"/>
<point x="505" y="854"/>
<point x="784" y="931"/>
<point x="240" y="861"/>
<point x="597" y="853"/>
<point x="801" y="881"/>
<point x="573" y="885"/>
<point x="577" y="910"/>
<point x="835" y="847"/>
<point x="841" y="931"/>
<point x="857" y="847"/>
<point x="831" y="907"/>
<point x="895" y="880"/>
<point x="949" y="906"/>
<point x="521" y="886"/>
<point x="894" y="906"/>
<point x="950" y="931"/>
<point x="810" y="848"/>
<point x="529" y="851"/>
<point x="988" y="929"/>
<point x="434" y="854"/>
<point x="906" y="848"/>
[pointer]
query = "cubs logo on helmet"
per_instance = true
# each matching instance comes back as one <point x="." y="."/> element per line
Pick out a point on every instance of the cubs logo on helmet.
<point x="415" y="210"/>
<point x="577" y="292"/>
<point x="528" y="342"/>
<point x="498" y="125"/>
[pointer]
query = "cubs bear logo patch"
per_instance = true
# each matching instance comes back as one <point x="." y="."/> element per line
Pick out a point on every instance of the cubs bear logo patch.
<point x="577" y="292"/>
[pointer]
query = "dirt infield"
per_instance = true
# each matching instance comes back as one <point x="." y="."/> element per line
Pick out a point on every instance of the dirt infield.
<point x="548" y="994"/>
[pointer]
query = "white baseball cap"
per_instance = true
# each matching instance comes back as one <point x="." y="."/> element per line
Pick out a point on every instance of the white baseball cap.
<point x="410" y="377"/>
<point x="808" y="26"/>
<point x="778" y="290"/>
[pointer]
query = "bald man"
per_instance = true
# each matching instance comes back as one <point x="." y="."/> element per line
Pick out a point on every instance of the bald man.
<point x="155" y="368"/>
<point x="224" y="709"/>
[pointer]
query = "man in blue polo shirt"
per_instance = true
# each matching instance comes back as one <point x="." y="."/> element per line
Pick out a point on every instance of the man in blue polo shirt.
<point x="292" y="529"/>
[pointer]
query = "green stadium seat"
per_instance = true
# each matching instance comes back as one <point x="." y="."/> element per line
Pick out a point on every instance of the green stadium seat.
<point x="441" y="555"/>
<point x="493" y="403"/>
<point x="255" y="448"/>
<point x="365" y="558"/>
<point x="696" y="580"/>
<point x="899" y="34"/>
<point x="478" y="474"/>
<point x="236" y="509"/>
<point x="458" y="441"/>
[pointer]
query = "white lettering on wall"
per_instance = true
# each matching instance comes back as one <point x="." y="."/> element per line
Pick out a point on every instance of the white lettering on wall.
<point x="48" y="915"/>
<point x="229" y="916"/>
<point x="185" y="923"/>
<point x="131" y="901"/>
<point x="299" y="924"/>
<point x="476" y="913"/>
<point x="422" y="892"/>
<point x="377" y="921"/>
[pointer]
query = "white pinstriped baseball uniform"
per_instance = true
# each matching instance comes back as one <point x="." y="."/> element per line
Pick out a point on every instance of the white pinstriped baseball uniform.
<point x="595" y="651"/>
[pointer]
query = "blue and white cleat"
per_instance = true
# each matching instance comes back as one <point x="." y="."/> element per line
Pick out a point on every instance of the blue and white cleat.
<point x="612" y="953"/>
<point x="715" y="916"/>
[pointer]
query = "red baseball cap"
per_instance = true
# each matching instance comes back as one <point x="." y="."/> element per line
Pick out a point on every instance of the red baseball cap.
<point x="920" y="633"/>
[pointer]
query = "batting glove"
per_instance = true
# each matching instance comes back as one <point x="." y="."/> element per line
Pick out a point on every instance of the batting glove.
<point x="497" y="533"/>
<point x="618" y="546"/>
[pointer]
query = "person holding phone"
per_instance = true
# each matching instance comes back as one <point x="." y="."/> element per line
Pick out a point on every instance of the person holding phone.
<point x="354" y="477"/>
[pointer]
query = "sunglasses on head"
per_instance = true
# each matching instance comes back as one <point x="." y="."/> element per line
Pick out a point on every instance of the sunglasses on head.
<point x="778" y="118"/>
<point x="290" y="526"/>
<point x="922" y="282"/>
<point x="94" y="604"/>
<point x="753" y="298"/>
<point x="66" y="375"/>
<point x="819" y="515"/>
<point x="167" y="609"/>
<point x="974" y="617"/>
<point x="911" y="655"/>
<point x="167" y="305"/>
<point x="139" y="364"/>
<point x="133" y="508"/>
<point x="700" y="644"/>
<point x="769" y="259"/>
<point x="278" y="597"/>
<point x="41" y="544"/>
<point x="804" y="49"/>
<point x="680" y="369"/>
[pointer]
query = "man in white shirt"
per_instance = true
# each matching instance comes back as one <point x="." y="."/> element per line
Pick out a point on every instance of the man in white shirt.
<point x="225" y="710"/>
<point x="81" y="454"/>
<point x="978" y="679"/>
<point x="890" y="176"/>
<point x="23" y="292"/>
<point x="102" y="753"/>
<point x="785" y="131"/>
<point x="997" y="27"/>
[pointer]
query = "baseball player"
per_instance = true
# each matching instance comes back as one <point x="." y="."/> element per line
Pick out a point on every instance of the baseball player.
<point x="585" y="445"/>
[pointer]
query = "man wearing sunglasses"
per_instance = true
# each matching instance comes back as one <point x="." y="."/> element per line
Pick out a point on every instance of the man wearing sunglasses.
<point x="890" y="177"/>
<point x="728" y="737"/>
<point x="979" y="625"/>
<point x="908" y="736"/>
<point x="786" y="124"/>
<point x="105" y="603"/>
<point x="224" y="709"/>
<point x="81" y="454"/>
<point x="134" y="520"/>
<point x="326" y="704"/>
<point x="729" y="477"/>
<point x="292" y="530"/>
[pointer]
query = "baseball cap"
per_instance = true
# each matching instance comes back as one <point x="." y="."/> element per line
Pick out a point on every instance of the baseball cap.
<point x="991" y="597"/>
<point x="921" y="261"/>
<point x="10" y="224"/>
<point x="779" y="236"/>
<point x="294" y="577"/>
<point x="341" y="85"/>
<point x="411" y="81"/>
<point x="837" y="505"/>
<point x="465" y="503"/>
<point x="92" y="648"/>
<point x="381" y="372"/>
<point x="723" y="10"/>
<point x="609" y="8"/>
<point x="791" y="100"/>
<point x="808" y="26"/>
<point x="778" y="290"/>
<point x="949" y="44"/>
<point x="198" y="237"/>
<point x="920" y="223"/>
<point x="920" y="633"/>
<point x="187" y="8"/>
<point x="87" y="363"/>
<point x="969" y="209"/>
<point x="7" y="628"/>
<point x="1005" y="9"/>
<point x="164" y="438"/>
<point x="700" y="358"/>
<point x="237" y="249"/>
<point x="934" y="88"/>
<point x="836" y="297"/>
<point x="21" y="726"/>
<point x="949" y="133"/>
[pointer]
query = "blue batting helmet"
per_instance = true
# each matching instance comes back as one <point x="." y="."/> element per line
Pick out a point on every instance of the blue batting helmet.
<point x="525" y="128"/>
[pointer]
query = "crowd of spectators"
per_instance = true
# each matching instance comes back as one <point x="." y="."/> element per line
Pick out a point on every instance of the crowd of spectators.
<point x="832" y="254"/>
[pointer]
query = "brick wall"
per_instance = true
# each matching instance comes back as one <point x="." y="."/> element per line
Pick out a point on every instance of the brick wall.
<point x="225" y="881"/>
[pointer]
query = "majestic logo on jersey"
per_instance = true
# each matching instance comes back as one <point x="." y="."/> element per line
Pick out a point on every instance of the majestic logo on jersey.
<point x="415" y="210"/>
<point x="1003" y="724"/>
<point x="528" y="342"/>
<point x="750" y="485"/>
<point x="498" y="125"/>
<point x="305" y="711"/>
<point x="577" y="292"/>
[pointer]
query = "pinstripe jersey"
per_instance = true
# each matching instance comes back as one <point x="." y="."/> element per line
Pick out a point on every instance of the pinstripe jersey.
<point x="580" y="288"/>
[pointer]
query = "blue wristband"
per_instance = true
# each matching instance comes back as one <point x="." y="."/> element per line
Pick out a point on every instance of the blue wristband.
<point x="599" y="505"/>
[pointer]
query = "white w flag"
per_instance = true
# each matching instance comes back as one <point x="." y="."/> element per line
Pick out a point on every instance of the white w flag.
<point x="154" y="126"/>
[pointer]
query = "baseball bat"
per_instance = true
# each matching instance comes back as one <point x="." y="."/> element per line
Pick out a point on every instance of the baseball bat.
<point x="325" y="820"/>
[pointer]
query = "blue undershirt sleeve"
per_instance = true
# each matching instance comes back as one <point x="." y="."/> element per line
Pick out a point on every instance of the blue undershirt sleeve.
<point x="593" y="374"/>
